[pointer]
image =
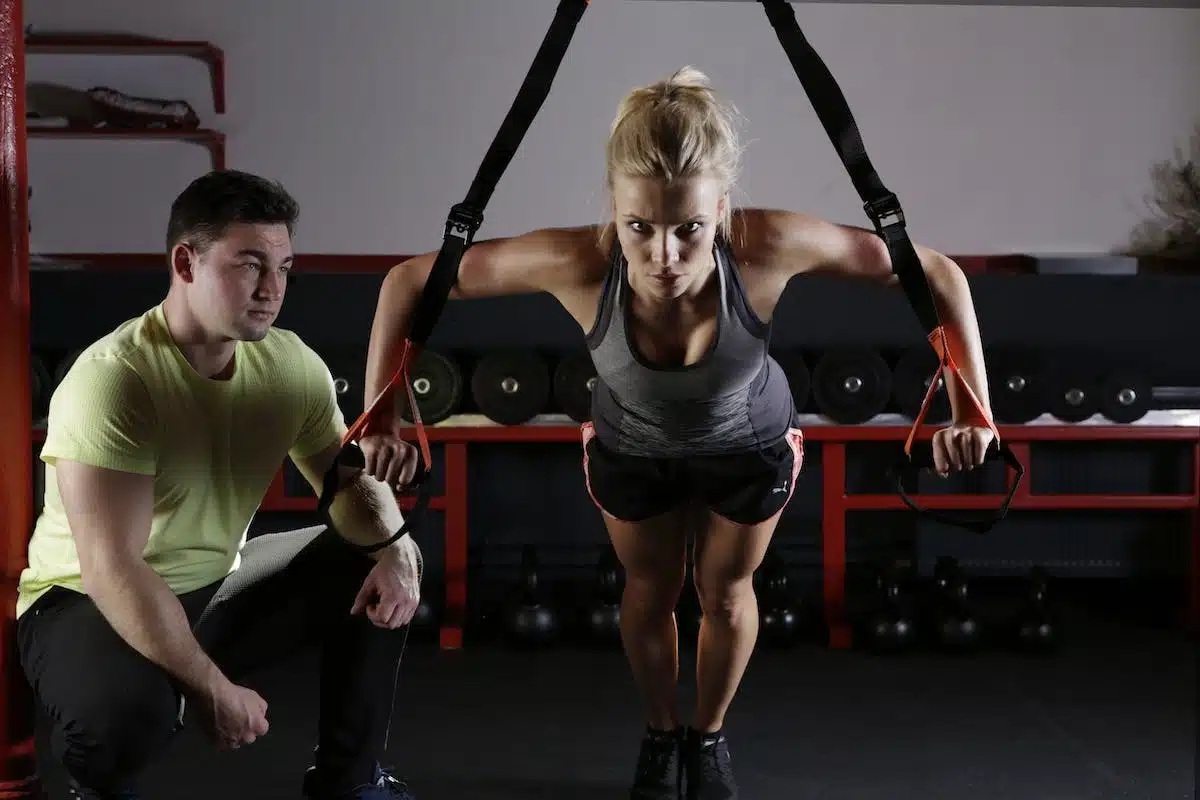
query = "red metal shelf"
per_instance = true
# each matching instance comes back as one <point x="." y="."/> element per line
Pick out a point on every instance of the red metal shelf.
<point x="342" y="263"/>
<point x="213" y="141"/>
<point x="72" y="43"/>
<point x="836" y="501"/>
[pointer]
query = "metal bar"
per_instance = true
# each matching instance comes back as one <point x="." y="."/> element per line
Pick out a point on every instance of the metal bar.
<point x="18" y="767"/>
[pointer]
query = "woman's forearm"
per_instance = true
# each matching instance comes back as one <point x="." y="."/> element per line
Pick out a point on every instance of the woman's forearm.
<point x="398" y="298"/>
<point x="956" y="309"/>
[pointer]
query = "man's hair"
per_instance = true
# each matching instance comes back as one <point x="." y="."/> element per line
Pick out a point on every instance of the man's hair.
<point x="210" y="204"/>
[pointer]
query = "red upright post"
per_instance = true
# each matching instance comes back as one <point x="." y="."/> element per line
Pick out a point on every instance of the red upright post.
<point x="18" y="771"/>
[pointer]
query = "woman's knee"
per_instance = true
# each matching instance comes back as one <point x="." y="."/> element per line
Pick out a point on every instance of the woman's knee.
<point x="726" y="600"/>
<point x="654" y="595"/>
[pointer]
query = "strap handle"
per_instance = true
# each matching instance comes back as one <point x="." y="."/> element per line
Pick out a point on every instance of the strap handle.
<point x="883" y="208"/>
<point x="462" y="224"/>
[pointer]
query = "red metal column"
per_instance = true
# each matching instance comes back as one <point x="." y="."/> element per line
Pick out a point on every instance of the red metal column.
<point x="18" y="769"/>
<point x="1193" y="620"/>
<point x="455" y="479"/>
<point x="833" y="538"/>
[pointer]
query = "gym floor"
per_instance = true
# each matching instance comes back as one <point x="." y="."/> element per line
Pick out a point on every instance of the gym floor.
<point x="1112" y="715"/>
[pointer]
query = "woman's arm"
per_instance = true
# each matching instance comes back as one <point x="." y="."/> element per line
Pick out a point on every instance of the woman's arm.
<point x="780" y="245"/>
<point x="561" y="261"/>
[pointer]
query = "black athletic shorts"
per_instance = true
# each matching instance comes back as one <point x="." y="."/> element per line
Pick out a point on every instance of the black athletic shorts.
<point x="745" y="488"/>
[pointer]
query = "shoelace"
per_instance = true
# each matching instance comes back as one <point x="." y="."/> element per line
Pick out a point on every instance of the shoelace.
<point x="389" y="783"/>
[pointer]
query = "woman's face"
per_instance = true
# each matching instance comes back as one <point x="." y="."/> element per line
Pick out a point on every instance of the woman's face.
<point x="666" y="230"/>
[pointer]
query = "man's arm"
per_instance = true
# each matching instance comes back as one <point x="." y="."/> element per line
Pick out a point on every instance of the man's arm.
<point x="110" y="513"/>
<point x="784" y="244"/>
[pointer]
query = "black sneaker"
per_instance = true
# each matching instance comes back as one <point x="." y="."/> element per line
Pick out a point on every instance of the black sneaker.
<point x="659" y="769"/>
<point x="707" y="767"/>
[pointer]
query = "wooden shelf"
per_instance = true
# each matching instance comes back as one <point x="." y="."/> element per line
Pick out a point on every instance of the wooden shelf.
<point x="71" y="43"/>
<point x="213" y="141"/>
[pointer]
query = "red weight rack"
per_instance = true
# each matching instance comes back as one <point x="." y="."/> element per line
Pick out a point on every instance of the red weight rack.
<point x="836" y="500"/>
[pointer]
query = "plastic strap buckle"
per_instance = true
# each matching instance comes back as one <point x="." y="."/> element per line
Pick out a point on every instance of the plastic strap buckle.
<point x="885" y="212"/>
<point x="463" y="222"/>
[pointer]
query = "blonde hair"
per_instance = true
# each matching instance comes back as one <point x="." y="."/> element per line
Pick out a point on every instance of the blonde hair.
<point x="676" y="128"/>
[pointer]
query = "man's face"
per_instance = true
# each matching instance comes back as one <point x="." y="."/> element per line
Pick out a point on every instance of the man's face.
<point x="237" y="285"/>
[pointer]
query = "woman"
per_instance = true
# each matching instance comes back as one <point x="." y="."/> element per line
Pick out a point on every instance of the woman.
<point x="675" y="296"/>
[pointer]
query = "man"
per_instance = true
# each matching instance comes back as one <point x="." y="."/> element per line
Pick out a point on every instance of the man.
<point x="143" y="597"/>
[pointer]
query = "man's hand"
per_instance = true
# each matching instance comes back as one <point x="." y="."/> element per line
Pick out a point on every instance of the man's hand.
<point x="389" y="459"/>
<point x="231" y="715"/>
<point x="392" y="590"/>
<point x="960" y="447"/>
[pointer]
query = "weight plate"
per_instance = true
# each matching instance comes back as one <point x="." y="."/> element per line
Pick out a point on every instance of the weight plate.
<point x="914" y="370"/>
<point x="851" y="385"/>
<point x="574" y="378"/>
<point x="1015" y="378"/>
<point x="437" y="385"/>
<point x="1125" y="396"/>
<point x="795" y="368"/>
<point x="1072" y="394"/>
<point x="511" y="387"/>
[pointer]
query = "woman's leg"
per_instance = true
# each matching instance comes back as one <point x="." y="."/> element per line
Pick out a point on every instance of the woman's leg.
<point x="654" y="555"/>
<point x="727" y="554"/>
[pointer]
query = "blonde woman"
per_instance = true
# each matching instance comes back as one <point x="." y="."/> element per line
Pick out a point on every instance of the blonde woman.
<point x="690" y="413"/>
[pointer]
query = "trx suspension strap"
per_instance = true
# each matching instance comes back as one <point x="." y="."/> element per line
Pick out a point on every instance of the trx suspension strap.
<point x="461" y="225"/>
<point x="883" y="208"/>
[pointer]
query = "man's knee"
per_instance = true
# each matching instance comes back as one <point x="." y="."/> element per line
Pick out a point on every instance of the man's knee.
<point x="105" y="739"/>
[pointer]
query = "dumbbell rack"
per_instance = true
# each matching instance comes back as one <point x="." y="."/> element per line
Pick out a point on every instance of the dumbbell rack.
<point x="457" y="437"/>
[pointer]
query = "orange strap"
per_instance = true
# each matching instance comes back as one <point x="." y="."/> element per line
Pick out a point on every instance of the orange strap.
<point x="947" y="366"/>
<point x="369" y="416"/>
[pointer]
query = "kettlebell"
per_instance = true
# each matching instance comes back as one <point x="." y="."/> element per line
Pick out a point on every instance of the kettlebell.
<point x="890" y="627"/>
<point x="1036" y="629"/>
<point x="604" y="618"/>
<point x="779" y="618"/>
<point x="957" y="628"/>
<point x="531" y="620"/>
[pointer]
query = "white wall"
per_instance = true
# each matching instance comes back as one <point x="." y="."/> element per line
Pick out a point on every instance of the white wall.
<point x="1002" y="129"/>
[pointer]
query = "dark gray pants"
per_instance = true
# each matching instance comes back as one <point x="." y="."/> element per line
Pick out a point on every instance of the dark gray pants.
<point x="111" y="710"/>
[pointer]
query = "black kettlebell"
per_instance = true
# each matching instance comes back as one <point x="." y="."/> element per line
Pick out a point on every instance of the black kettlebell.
<point x="956" y="625"/>
<point x="890" y="627"/>
<point x="531" y="620"/>
<point x="779" y="618"/>
<point x="604" y="618"/>
<point x="1036" y="629"/>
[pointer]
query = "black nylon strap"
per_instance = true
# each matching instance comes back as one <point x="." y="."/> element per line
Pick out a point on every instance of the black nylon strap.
<point x="883" y="208"/>
<point x="466" y="217"/>
<point x="463" y="222"/>
<point x="880" y="204"/>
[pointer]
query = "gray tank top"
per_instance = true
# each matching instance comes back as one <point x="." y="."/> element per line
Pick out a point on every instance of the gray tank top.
<point x="735" y="399"/>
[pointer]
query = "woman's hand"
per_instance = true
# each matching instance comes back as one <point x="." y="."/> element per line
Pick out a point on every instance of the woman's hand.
<point x="960" y="447"/>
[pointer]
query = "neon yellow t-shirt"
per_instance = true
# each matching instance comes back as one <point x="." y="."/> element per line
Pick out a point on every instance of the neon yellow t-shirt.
<point x="132" y="402"/>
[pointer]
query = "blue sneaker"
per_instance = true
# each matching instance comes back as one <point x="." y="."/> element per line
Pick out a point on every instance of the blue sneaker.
<point x="382" y="787"/>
